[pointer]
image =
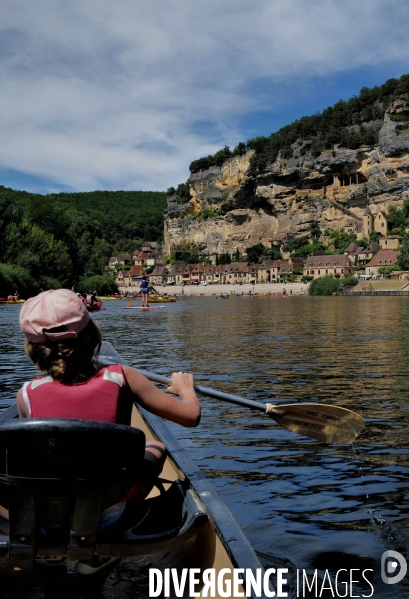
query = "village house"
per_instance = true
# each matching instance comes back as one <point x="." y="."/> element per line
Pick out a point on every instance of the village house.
<point x="159" y="275"/>
<point x="355" y="226"/>
<point x="319" y="266"/>
<point x="239" y="272"/>
<point x="112" y="261"/>
<point x="140" y="258"/>
<point x="401" y="275"/>
<point x="134" y="275"/>
<point x="154" y="258"/>
<point x="370" y="222"/>
<point x="263" y="275"/>
<point x="366" y="254"/>
<point x="382" y="258"/>
<point x="122" y="258"/>
<point x="149" y="246"/>
<point x="280" y="239"/>
<point x="391" y="242"/>
<point x="276" y="270"/>
<point x="353" y="251"/>
<point x="120" y="279"/>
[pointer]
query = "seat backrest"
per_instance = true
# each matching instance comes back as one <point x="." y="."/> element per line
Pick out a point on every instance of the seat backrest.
<point x="59" y="474"/>
<point x="48" y="448"/>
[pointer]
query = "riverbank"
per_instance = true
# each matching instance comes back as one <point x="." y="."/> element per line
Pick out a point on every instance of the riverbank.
<point x="203" y="290"/>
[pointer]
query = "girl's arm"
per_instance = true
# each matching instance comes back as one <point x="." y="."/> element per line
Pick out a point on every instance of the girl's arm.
<point x="185" y="411"/>
<point x="21" y="405"/>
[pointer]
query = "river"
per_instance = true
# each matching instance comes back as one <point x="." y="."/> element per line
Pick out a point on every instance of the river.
<point x="302" y="504"/>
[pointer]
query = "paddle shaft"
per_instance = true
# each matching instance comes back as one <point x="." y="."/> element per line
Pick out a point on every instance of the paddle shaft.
<point x="240" y="401"/>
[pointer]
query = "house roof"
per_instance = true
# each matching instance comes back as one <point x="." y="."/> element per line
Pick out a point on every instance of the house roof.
<point x="136" y="271"/>
<point x="150" y="244"/>
<point x="141" y="255"/>
<point x="282" y="237"/>
<point x="384" y="258"/>
<point x="329" y="261"/>
<point x="297" y="261"/>
<point x="124" y="257"/>
<point x="159" y="271"/>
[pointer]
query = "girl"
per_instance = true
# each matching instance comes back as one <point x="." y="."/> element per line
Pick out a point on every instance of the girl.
<point x="63" y="342"/>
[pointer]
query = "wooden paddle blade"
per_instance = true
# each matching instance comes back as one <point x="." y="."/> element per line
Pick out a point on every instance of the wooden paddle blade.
<point x="328" y="424"/>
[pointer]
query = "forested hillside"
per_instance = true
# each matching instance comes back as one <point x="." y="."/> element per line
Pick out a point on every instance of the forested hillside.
<point x="58" y="239"/>
<point x="349" y="124"/>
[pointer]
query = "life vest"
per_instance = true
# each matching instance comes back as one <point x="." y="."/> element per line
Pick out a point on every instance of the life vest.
<point x="102" y="398"/>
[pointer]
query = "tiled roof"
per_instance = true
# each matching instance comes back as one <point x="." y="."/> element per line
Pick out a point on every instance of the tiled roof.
<point x="330" y="261"/>
<point x="384" y="258"/>
<point x="136" y="271"/>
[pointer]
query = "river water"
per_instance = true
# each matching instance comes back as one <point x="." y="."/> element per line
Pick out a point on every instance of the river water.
<point x="302" y="504"/>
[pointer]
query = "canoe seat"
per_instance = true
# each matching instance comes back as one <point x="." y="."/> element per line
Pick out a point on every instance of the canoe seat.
<point x="63" y="481"/>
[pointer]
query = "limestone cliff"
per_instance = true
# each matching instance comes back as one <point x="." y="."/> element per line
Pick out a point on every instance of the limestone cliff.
<point x="231" y="209"/>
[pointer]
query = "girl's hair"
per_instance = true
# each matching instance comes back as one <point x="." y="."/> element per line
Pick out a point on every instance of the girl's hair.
<point x="71" y="360"/>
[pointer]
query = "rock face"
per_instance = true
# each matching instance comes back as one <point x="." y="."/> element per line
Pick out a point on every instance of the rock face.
<point x="230" y="209"/>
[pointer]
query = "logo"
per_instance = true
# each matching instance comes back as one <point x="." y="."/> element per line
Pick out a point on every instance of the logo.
<point x="393" y="562"/>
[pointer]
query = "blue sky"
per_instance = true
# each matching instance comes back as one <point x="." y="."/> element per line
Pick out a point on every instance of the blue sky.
<point x="124" y="95"/>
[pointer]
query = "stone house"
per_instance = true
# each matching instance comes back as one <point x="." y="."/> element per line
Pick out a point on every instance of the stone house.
<point x="159" y="275"/>
<point x="319" y="266"/>
<point x="391" y="242"/>
<point x="382" y="258"/>
<point x="149" y="246"/>
<point x="154" y="258"/>
<point x="240" y="272"/>
<point x="280" y="239"/>
<point x="112" y="261"/>
<point x="366" y="254"/>
<point x="263" y="275"/>
<point x="140" y="258"/>
<point x="355" y="226"/>
<point x="122" y="258"/>
<point x="120" y="280"/>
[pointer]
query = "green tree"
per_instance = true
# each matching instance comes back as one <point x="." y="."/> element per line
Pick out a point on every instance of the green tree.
<point x="255" y="252"/>
<point x="403" y="258"/>
<point x="326" y="285"/>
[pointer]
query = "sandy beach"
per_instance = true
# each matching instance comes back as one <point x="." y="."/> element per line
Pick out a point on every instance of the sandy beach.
<point x="203" y="290"/>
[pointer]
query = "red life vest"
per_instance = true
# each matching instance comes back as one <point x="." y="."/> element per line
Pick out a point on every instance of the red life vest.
<point x="102" y="398"/>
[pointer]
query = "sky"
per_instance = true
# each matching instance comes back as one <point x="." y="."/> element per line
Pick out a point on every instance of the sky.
<point x="96" y="94"/>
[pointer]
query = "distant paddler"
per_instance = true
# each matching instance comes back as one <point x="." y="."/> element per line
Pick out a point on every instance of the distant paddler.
<point x="145" y="291"/>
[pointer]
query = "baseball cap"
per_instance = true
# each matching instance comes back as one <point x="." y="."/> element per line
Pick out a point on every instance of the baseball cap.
<point x="53" y="315"/>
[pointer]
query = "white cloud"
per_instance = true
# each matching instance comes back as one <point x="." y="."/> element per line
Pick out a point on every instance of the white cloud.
<point x="101" y="94"/>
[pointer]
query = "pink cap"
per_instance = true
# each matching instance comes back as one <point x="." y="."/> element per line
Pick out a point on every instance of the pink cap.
<point x="49" y="310"/>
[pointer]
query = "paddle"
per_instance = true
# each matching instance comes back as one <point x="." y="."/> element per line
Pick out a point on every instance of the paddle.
<point x="328" y="424"/>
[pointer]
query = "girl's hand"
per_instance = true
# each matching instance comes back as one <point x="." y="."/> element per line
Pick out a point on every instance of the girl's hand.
<point x="182" y="383"/>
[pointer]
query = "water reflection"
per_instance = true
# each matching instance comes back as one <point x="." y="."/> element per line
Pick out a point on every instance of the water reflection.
<point x="301" y="503"/>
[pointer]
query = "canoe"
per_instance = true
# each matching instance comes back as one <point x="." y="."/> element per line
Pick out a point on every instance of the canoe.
<point x="95" y="307"/>
<point x="181" y="524"/>
<point x="12" y="301"/>
<point x="161" y="300"/>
